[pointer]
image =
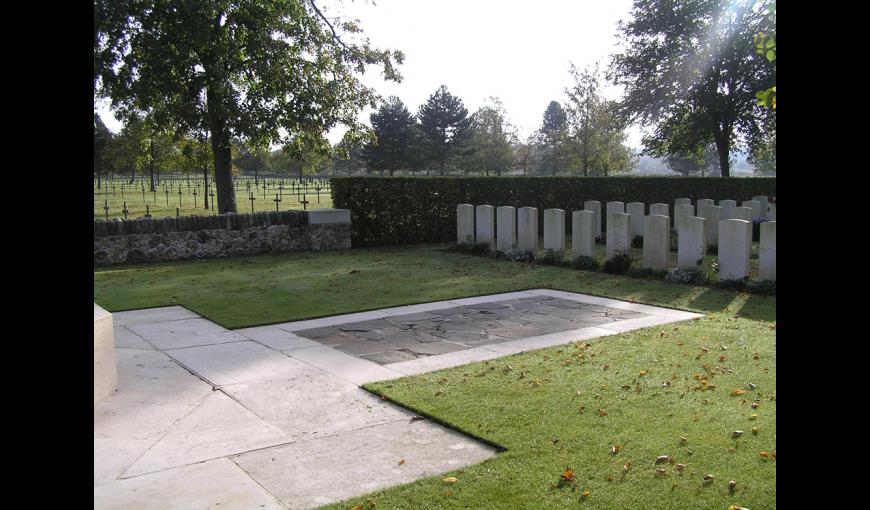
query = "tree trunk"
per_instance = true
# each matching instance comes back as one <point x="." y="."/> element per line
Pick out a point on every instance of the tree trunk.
<point x="151" y="164"/>
<point x="205" y="194"/>
<point x="720" y="136"/>
<point x="255" y="177"/>
<point x="99" y="182"/>
<point x="132" y="174"/>
<point x="220" y="146"/>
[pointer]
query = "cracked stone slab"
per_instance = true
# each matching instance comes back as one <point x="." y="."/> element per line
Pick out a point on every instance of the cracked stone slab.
<point x="214" y="484"/>
<point x="303" y="474"/>
<point x="219" y="426"/>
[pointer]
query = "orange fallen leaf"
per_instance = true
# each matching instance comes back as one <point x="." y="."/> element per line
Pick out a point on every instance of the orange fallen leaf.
<point x="602" y="413"/>
<point x="737" y="393"/>
<point x="585" y="494"/>
<point x="764" y="454"/>
<point x="567" y="475"/>
<point x="735" y="507"/>
<point x="709" y="478"/>
<point x="401" y="461"/>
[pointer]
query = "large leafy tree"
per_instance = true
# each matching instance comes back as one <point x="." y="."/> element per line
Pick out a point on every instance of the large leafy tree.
<point x="492" y="138"/>
<point x="704" y="162"/>
<point x="445" y="127"/>
<point x="396" y="138"/>
<point x="688" y="72"/>
<point x="597" y="135"/>
<point x="276" y="72"/>
<point x="554" y="131"/>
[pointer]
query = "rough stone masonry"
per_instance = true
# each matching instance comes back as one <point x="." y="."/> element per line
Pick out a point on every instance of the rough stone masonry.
<point x="225" y="235"/>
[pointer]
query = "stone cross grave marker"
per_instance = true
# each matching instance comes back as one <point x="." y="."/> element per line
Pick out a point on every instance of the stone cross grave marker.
<point x="147" y="211"/>
<point x="304" y="202"/>
<point x="106" y="208"/>
<point x="211" y="194"/>
<point x="252" y="198"/>
<point x="125" y="210"/>
<point x="179" y="196"/>
<point x="276" y="200"/>
<point x="194" y="196"/>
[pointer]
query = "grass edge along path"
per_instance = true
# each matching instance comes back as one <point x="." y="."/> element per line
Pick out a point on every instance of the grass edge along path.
<point x="270" y="289"/>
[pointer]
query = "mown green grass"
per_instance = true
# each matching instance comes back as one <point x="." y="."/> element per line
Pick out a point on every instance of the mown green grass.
<point x="268" y="289"/>
<point x="543" y="406"/>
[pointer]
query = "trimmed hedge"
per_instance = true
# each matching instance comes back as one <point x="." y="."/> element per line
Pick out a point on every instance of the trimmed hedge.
<point x="412" y="210"/>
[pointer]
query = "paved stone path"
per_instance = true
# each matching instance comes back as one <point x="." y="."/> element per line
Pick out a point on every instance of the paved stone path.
<point x="265" y="417"/>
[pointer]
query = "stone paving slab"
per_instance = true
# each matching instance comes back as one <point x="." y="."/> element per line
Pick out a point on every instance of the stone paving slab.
<point x="276" y="338"/>
<point x="432" y="363"/>
<point x="236" y="362"/>
<point x="179" y="334"/>
<point x="218" y="427"/>
<point x="217" y="484"/>
<point x="164" y="314"/>
<point x="312" y="473"/>
<point x="313" y="403"/>
<point x="350" y="368"/>
<point x="149" y="376"/>
<point x="113" y="455"/>
<point x="127" y="339"/>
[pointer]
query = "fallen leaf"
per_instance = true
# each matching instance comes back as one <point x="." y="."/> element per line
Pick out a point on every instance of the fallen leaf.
<point x="731" y="485"/>
<point x="755" y="430"/>
<point x="737" y="393"/>
<point x="643" y="372"/>
<point x="680" y="467"/>
<point x="358" y="507"/>
<point x="614" y="449"/>
<point x="754" y="405"/>
<point x="451" y="479"/>
<point x="753" y="416"/>
<point x="737" y="433"/>
<point x="567" y="475"/>
<point x="401" y="461"/>
<point x="602" y="413"/>
<point x="764" y="454"/>
<point x="709" y="478"/>
<point x="735" y="507"/>
<point x="416" y="418"/>
<point x="684" y="440"/>
<point x="663" y="458"/>
<point x="661" y="472"/>
<point x="585" y="493"/>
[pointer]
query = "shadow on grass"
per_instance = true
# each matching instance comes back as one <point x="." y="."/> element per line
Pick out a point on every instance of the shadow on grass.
<point x="760" y="308"/>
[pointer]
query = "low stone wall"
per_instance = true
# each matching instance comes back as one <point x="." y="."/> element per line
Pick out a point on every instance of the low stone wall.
<point x="225" y="235"/>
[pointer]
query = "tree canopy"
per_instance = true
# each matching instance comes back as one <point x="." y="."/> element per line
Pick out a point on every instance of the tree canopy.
<point x="688" y="71"/>
<point x="396" y="140"/>
<point x="275" y="72"/>
<point x="445" y="125"/>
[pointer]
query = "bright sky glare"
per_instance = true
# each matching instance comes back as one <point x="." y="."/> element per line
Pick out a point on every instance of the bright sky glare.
<point x="518" y="51"/>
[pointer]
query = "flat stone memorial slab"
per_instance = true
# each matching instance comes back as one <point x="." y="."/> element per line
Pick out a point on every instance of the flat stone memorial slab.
<point x="236" y="362"/>
<point x="275" y="338"/>
<point x="125" y="338"/>
<point x="164" y="314"/>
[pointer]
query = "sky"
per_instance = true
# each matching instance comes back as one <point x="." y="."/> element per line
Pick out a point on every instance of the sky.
<point x="518" y="51"/>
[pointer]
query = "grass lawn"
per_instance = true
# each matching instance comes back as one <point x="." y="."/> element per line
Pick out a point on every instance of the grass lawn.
<point x="552" y="409"/>
<point x="268" y="289"/>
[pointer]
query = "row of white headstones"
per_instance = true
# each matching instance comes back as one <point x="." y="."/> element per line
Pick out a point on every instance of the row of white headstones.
<point x="725" y="225"/>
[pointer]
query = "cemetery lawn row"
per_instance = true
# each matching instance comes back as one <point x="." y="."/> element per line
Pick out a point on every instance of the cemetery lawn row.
<point x="268" y="289"/>
<point x="606" y="410"/>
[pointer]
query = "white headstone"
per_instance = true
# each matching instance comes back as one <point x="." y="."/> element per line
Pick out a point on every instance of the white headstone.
<point x="703" y="202"/>
<point x="711" y="213"/>
<point x="506" y="227"/>
<point x="682" y="211"/>
<point x="595" y="207"/>
<point x="682" y="201"/>
<point x="554" y="229"/>
<point x="734" y="246"/>
<point x="761" y="199"/>
<point x="635" y="224"/>
<point x="617" y="234"/>
<point x="691" y="243"/>
<point x="727" y="212"/>
<point x="465" y="224"/>
<point x="741" y="213"/>
<point x="755" y="206"/>
<point x="486" y="225"/>
<point x="771" y="212"/>
<point x="660" y="210"/>
<point x="656" y="242"/>
<point x="767" y="251"/>
<point x="527" y="229"/>
<point x="582" y="233"/>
